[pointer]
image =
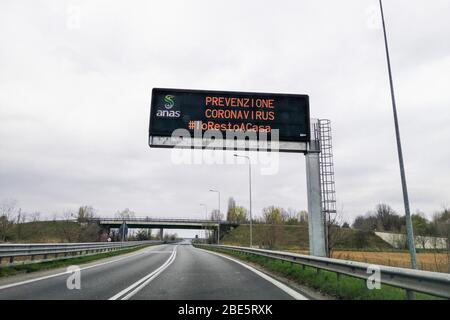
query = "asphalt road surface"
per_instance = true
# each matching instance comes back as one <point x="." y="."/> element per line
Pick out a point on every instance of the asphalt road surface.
<point x="158" y="272"/>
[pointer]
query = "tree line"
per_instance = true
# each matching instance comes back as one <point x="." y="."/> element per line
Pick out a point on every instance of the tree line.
<point x="270" y="215"/>
<point x="76" y="226"/>
<point x="385" y="219"/>
<point x="17" y="225"/>
<point x="382" y="218"/>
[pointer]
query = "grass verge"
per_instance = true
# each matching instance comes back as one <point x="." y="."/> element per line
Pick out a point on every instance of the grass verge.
<point x="347" y="288"/>
<point x="47" y="265"/>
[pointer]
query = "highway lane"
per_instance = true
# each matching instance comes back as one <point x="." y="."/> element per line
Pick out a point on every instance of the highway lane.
<point x="98" y="282"/>
<point x="158" y="272"/>
<point x="198" y="274"/>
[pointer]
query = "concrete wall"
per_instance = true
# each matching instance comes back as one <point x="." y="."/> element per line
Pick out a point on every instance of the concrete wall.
<point x="398" y="240"/>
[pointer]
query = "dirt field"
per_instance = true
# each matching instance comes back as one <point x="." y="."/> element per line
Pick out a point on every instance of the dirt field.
<point x="425" y="261"/>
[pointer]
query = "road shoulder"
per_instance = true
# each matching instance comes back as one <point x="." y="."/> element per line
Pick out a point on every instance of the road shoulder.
<point x="308" y="292"/>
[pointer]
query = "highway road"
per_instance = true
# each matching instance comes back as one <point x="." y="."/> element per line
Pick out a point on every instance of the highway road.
<point x="177" y="271"/>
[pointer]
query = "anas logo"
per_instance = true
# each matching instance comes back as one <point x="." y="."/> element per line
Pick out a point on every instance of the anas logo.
<point x="169" y="103"/>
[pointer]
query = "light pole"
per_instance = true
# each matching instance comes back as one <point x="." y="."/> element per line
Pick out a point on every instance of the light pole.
<point x="206" y="215"/>
<point x="123" y="231"/>
<point x="409" y="226"/>
<point x="250" y="193"/>
<point x="218" y="223"/>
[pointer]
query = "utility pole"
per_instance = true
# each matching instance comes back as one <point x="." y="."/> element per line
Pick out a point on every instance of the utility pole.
<point x="206" y="216"/>
<point x="250" y="194"/>
<point x="123" y="231"/>
<point x="218" y="222"/>
<point x="409" y="226"/>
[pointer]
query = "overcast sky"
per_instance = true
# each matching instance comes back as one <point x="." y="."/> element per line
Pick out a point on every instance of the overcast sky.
<point x="75" y="90"/>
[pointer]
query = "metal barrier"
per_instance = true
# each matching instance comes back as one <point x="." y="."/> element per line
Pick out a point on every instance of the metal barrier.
<point x="153" y="219"/>
<point x="11" y="251"/>
<point x="433" y="283"/>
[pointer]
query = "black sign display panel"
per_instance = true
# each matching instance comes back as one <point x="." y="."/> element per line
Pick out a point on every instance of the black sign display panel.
<point x="224" y="111"/>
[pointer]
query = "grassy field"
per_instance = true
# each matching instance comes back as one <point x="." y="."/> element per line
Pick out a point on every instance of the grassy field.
<point x="285" y="237"/>
<point x="347" y="288"/>
<point x="46" y="232"/>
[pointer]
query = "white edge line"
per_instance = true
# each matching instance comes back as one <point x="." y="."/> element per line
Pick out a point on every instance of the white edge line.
<point x="278" y="284"/>
<point x="135" y="284"/>
<point x="141" y="283"/>
<point x="6" y="286"/>
<point x="128" y="296"/>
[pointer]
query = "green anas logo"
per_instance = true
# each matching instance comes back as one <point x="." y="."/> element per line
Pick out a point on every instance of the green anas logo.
<point x="166" y="112"/>
<point x="169" y="101"/>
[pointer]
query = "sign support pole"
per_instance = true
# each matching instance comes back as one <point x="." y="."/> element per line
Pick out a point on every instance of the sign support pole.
<point x="316" y="225"/>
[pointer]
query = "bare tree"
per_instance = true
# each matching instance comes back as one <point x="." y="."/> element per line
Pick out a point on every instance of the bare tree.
<point x="216" y="215"/>
<point x="35" y="216"/>
<point x="383" y="218"/>
<point x="89" y="230"/>
<point x="335" y="232"/>
<point x="441" y="222"/>
<point x="125" y="214"/>
<point x="8" y="211"/>
<point x="66" y="227"/>
<point x="302" y="216"/>
<point x="85" y="213"/>
<point x="21" y="218"/>
<point x="387" y="218"/>
<point x="291" y="216"/>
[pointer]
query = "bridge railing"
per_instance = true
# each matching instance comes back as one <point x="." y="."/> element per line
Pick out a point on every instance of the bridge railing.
<point x="9" y="253"/>
<point x="152" y="219"/>
<point x="433" y="283"/>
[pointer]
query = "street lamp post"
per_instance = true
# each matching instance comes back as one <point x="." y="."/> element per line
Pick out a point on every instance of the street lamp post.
<point x="218" y="223"/>
<point x="206" y="215"/>
<point x="409" y="226"/>
<point x="250" y="194"/>
<point x="123" y="231"/>
<point x="206" y="210"/>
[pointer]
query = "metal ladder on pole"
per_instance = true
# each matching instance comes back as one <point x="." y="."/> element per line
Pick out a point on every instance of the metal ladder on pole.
<point x="327" y="182"/>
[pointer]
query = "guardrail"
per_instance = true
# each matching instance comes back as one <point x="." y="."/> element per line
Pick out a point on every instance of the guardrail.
<point x="433" y="283"/>
<point x="62" y="250"/>
<point x="153" y="219"/>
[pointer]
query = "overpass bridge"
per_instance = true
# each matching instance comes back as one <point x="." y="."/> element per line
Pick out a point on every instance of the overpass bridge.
<point x="218" y="226"/>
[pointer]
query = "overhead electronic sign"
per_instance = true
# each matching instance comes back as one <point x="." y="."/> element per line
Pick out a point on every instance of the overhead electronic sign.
<point x="226" y="111"/>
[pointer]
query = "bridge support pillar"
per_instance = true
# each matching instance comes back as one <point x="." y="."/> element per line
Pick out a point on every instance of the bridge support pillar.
<point x="316" y="221"/>
<point x="161" y="234"/>
<point x="214" y="237"/>
<point x="218" y="233"/>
